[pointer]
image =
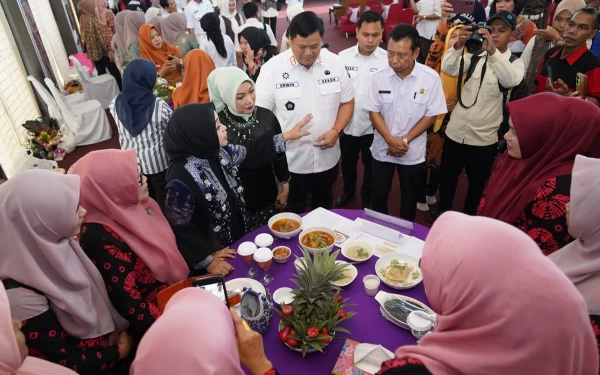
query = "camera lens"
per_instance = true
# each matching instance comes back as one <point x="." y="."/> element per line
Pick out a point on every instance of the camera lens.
<point x="474" y="43"/>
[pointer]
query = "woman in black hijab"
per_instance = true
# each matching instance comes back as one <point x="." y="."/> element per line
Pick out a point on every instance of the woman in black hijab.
<point x="219" y="46"/>
<point x="205" y="202"/>
<point x="256" y="48"/>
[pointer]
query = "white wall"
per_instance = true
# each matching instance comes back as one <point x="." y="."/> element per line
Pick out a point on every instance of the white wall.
<point x="46" y="24"/>
<point x="17" y="103"/>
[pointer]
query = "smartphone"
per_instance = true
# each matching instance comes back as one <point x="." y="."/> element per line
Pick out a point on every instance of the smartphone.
<point x="463" y="6"/>
<point x="581" y="85"/>
<point x="213" y="284"/>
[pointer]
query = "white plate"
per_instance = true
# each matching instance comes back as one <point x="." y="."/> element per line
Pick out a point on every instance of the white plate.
<point x="283" y="295"/>
<point x="382" y="297"/>
<point x="350" y="268"/>
<point x="385" y="261"/>
<point x="240" y="284"/>
<point x="352" y="243"/>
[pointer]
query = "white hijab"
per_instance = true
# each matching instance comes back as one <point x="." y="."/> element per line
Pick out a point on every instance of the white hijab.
<point x="580" y="260"/>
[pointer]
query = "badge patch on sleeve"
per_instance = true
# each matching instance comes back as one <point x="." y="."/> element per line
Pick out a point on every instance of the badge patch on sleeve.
<point x="290" y="106"/>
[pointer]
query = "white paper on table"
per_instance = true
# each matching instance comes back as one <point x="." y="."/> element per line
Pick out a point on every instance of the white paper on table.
<point x="369" y="357"/>
<point x="413" y="247"/>
<point x="380" y="231"/>
<point x="320" y="217"/>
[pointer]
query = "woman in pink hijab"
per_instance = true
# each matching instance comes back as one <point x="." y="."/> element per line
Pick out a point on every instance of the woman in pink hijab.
<point x="580" y="260"/>
<point x="52" y="286"/>
<point x="502" y="307"/>
<point x="133" y="22"/>
<point x="14" y="359"/>
<point x="126" y="235"/>
<point x="197" y="335"/>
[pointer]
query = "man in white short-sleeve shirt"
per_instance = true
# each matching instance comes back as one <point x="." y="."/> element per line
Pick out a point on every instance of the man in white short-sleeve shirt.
<point x="308" y="80"/>
<point x="404" y="101"/>
<point x="429" y="12"/>
<point x="194" y="11"/>
<point x="362" y="61"/>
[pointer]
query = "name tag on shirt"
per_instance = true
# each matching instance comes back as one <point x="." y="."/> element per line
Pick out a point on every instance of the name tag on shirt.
<point x="329" y="80"/>
<point x="385" y="92"/>
<point x="286" y="85"/>
<point x="373" y="70"/>
<point x="352" y="68"/>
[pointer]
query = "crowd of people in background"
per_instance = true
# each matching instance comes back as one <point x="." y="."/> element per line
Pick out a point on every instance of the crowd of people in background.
<point x="253" y="130"/>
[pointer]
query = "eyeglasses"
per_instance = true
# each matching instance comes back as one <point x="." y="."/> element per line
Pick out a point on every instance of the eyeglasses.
<point x="140" y="175"/>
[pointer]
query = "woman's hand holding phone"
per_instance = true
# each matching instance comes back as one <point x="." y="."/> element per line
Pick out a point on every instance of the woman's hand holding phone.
<point x="250" y="347"/>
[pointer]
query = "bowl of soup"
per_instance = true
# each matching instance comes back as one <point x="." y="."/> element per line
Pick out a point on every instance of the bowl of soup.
<point x="285" y="225"/>
<point x="281" y="254"/>
<point x="317" y="239"/>
<point x="357" y="251"/>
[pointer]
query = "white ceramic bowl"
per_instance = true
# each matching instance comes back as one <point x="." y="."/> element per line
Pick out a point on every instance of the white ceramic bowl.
<point x="317" y="229"/>
<point x="282" y="260"/>
<point x="283" y="295"/>
<point x="349" y="268"/>
<point x="385" y="261"/>
<point x="346" y="246"/>
<point x="285" y="215"/>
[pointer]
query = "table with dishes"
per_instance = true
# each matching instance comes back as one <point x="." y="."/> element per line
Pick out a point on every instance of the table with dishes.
<point x="368" y="326"/>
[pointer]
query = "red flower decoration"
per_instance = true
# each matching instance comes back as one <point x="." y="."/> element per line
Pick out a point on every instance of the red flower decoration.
<point x="551" y="208"/>
<point x="544" y="239"/>
<point x="129" y="285"/>
<point x="117" y="253"/>
<point x="33" y="336"/>
<point x="546" y="189"/>
<point x="112" y="232"/>
<point x="154" y="311"/>
<point x="142" y="273"/>
<point x="36" y="353"/>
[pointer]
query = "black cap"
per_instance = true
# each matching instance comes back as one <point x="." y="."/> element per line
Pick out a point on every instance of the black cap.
<point x="508" y="18"/>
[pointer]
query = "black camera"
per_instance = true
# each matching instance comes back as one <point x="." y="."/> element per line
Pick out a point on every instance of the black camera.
<point x="475" y="42"/>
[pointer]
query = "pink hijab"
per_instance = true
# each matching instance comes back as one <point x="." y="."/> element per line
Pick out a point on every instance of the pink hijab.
<point x="121" y="30"/>
<point x="133" y="22"/>
<point x="172" y="26"/>
<point x="109" y="193"/>
<point x="183" y="342"/>
<point x="10" y="357"/>
<point x="580" y="260"/>
<point x="38" y="211"/>
<point x="503" y="307"/>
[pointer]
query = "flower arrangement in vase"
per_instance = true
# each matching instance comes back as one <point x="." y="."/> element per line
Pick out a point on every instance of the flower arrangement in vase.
<point x="313" y="319"/>
<point x="163" y="89"/>
<point x="43" y="137"/>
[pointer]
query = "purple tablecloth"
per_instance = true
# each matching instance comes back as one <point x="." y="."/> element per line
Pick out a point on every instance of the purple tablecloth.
<point x="367" y="326"/>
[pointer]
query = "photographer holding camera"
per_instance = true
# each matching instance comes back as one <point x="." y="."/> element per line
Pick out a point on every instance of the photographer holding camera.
<point x="483" y="69"/>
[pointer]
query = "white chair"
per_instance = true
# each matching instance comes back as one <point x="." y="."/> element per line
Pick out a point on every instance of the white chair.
<point x="88" y="119"/>
<point x="53" y="109"/>
<point x="103" y="88"/>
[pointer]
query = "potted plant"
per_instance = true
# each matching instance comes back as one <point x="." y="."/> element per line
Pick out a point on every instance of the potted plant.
<point x="313" y="319"/>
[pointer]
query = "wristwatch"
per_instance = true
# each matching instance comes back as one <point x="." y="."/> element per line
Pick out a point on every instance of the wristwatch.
<point x="340" y="130"/>
<point x="405" y="140"/>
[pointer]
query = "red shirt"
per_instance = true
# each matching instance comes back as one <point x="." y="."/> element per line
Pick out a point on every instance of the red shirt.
<point x="581" y="61"/>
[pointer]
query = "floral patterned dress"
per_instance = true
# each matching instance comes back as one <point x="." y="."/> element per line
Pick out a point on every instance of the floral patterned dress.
<point x="47" y="340"/>
<point x="544" y="219"/>
<point x="131" y="287"/>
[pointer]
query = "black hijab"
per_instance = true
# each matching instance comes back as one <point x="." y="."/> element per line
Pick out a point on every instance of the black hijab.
<point x="192" y="131"/>
<point x="519" y="5"/>
<point x="257" y="39"/>
<point x="211" y="24"/>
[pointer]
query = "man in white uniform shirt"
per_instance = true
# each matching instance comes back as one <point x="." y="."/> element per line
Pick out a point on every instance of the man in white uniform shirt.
<point x="404" y="100"/>
<point x="361" y="62"/>
<point x="430" y="11"/>
<point x="302" y="80"/>
<point x="194" y="11"/>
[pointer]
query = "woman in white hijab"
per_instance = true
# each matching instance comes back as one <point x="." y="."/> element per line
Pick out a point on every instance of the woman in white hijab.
<point x="153" y="12"/>
<point x="580" y="260"/>
<point x="291" y="12"/>
<point x="230" y="19"/>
